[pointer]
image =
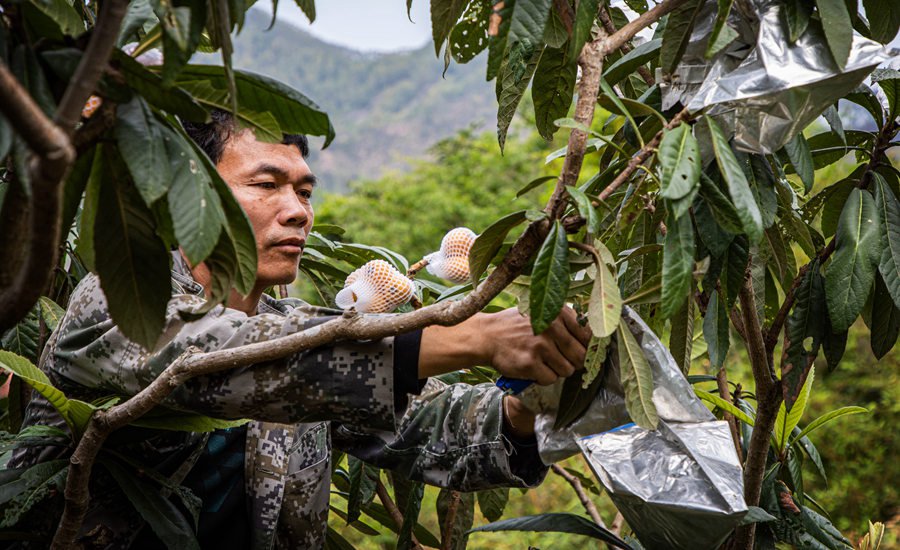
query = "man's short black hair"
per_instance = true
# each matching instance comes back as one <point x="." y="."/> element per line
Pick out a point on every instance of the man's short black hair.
<point x="213" y="135"/>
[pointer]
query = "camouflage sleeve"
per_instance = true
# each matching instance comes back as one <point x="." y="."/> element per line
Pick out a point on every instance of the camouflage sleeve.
<point x="449" y="436"/>
<point x="350" y="382"/>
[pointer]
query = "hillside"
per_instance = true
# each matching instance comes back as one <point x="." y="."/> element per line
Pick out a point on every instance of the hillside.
<point x="384" y="107"/>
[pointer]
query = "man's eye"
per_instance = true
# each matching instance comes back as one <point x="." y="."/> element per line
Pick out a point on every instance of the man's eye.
<point x="305" y="193"/>
<point x="265" y="185"/>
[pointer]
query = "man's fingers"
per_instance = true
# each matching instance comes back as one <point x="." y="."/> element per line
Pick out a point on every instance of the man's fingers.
<point x="544" y="375"/>
<point x="570" y="321"/>
<point x="555" y="359"/>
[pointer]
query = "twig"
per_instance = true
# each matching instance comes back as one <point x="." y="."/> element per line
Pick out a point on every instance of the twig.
<point x="588" y="504"/>
<point x="415" y="268"/>
<point x="641" y="157"/>
<point x="722" y="383"/>
<point x="610" y="27"/>
<point x="627" y="32"/>
<point x="392" y="509"/>
<point x="616" y="527"/>
<point x="447" y="528"/>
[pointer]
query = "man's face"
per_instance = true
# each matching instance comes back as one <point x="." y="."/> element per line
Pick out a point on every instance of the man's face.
<point x="274" y="185"/>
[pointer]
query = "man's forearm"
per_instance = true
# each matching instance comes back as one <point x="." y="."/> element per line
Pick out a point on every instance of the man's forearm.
<point x="447" y="349"/>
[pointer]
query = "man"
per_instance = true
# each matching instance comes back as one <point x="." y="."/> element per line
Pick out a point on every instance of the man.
<point x="267" y="483"/>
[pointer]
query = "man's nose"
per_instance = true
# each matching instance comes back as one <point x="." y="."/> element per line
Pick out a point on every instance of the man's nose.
<point x="293" y="211"/>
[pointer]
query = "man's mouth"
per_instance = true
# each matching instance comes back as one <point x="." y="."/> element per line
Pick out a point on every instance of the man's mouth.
<point x="292" y="245"/>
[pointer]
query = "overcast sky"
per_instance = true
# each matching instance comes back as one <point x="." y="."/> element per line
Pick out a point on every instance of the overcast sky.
<point x="367" y="25"/>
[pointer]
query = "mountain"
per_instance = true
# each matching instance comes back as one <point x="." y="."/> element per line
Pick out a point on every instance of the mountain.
<point x="385" y="107"/>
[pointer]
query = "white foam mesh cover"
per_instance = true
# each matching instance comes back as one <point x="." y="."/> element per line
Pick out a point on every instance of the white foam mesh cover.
<point x="451" y="262"/>
<point x="376" y="287"/>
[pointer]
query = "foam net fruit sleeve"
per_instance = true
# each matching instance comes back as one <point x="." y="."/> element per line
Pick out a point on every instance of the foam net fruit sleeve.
<point x="376" y="287"/>
<point x="451" y="262"/>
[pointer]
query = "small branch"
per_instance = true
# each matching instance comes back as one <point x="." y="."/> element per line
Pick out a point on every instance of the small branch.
<point x="566" y="14"/>
<point x="415" y="268"/>
<point x="722" y="383"/>
<point x="588" y="504"/>
<point x="641" y="157"/>
<point x="447" y="528"/>
<point x="618" y="522"/>
<point x="92" y="64"/>
<point x="626" y="33"/>
<point x="103" y="119"/>
<point x="392" y="509"/>
<point x="610" y="27"/>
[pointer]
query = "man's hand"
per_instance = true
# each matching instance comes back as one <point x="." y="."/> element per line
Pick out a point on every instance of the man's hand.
<point x="506" y="342"/>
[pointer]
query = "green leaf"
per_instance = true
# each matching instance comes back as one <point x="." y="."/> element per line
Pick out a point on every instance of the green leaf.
<point x="196" y="210"/>
<point x="594" y="359"/>
<point x="555" y="33"/>
<point x="605" y="309"/>
<point x="637" y="380"/>
<point x="141" y="142"/>
<point x="865" y="98"/>
<point x="678" y="264"/>
<point x="164" y="518"/>
<point x="459" y="529"/>
<point x="838" y="29"/>
<point x="174" y="100"/>
<point x="720" y="206"/>
<point x="554" y="81"/>
<point x="492" y="502"/>
<point x="833" y="118"/>
<point x="363" y="482"/>
<point x="884" y="19"/>
<point x="885" y="325"/>
<point x="534" y="184"/>
<point x="469" y="37"/>
<point x="629" y="63"/>
<point x="715" y="331"/>
<point x="291" y="111"/>
<point x="889" y="212"/>
<point x="34" y="377"/>
<point x="63" y="14"/>
<point x="798" y="151"/>
<point x="585" y="15"/>
<point x="797" y="13"/>
<point x="586" y="209"/>
<point x="549" y="279"/>
<point x="511" y="87"/>
<point x="413" y="503"/>
<point x="497" y="43"/>
<point x="805" y="323"/>
<point x="526" y="32"/>
<point x="162" y="418"/>
<point x="850" y="275"/>
<point x="680" y="165"/>
<point x="833" y="346"/>
<point x="677" y="34"/>
<point x="34" y="485"/>
<point x="51" y="312"/>
<point x="826" y="418"/>
<point x="308" y="7"/>
<point x="25" y="337"/>
<point x="489" y="242"/>
<point x="717" y="401"/>
<point x="444" y="15"/>
<point x="786" y="421"/>
<point x="555" y="523"/>
<point x="336" y="541"/>
<point x="755" y="514"/>
<point x="889" y="82"/>
<point x="738" y="187"/>
<point x="575" y="398"/>
<point x="133" y="264"/>
<point x="722" y="34"/>
<point x="681" y="336"/>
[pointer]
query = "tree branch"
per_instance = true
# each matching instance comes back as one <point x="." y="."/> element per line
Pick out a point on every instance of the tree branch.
<point x="626" y="33"/>
<point x="588" y="504"/>
<point x="31" y="224"/>
<point x="722" y="384"/>
<point x="610" y="27"/>
<point x="447" y="528"/>
<point x="392" y="509"/>
<point x="92" y="64"/>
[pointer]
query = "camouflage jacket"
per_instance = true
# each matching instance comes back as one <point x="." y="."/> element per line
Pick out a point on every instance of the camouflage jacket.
<point x="339" y="396"/>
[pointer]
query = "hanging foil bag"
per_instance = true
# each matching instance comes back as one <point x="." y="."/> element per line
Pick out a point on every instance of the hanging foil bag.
<point x="761" y="86"/>
<point x="679" y="486"/>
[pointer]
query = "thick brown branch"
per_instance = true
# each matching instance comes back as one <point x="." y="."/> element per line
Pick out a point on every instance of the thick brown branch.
<point x="722" y="385"/>
<point x="29" y="221"/>
<point x="92" y="64"/>
<point x="586" y="501"/>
